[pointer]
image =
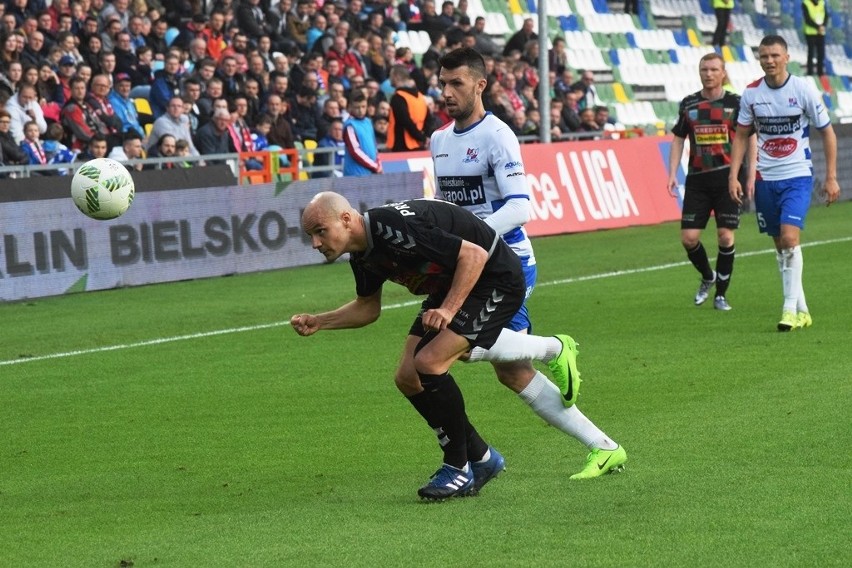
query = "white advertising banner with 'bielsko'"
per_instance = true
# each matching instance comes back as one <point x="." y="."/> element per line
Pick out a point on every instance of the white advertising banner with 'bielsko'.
<point x="47" y="247"/>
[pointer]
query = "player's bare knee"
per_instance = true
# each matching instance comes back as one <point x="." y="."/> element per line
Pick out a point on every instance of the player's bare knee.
<point x="726" y="238"/>
<point x="407" y="382"/>
<point x="425" y="364"/>
<point x="689" y="242"/>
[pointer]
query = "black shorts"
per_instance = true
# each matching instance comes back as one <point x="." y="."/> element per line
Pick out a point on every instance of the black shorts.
<point x="489" y="308"/>
<point x="706" y="193"/>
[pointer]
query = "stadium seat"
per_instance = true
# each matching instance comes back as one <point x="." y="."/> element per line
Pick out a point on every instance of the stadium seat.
<point x="620" y="93"/>
<point x="497" y="24"/>
<point x="475" y="8"/>
<point x="424" y="41"/>
<point x="402" y="39"/>
<point x="694" y="40"/>
<point x="585" y="7"/>
<point x="636" y="114"/>
<point x="140" y="92"/>
<point x="171" y="35"/>
<point x="300" y="148"/>
<point x="310" y="145"/>
<point x="609" y="23"/>
<point x="691" y="55"/>
<point x="591" y="59"/>
<point x="143" y="106"/>
<point x="653" y="39"/>
<point x="559" y="7"/>
<point x="843" y="112"/>
<point x="579" y="40"/>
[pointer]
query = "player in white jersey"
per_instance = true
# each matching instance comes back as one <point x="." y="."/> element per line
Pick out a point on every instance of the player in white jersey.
<point x="782" y="109"/>
<point x="478" y="166"/>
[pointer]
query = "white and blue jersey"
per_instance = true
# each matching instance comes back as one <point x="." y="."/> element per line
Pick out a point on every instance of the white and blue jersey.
<point x="480" y="168"/>
<point x="782" y="117"/>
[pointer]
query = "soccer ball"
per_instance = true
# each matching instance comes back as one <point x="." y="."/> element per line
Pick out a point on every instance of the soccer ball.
<point x="102" y="189"/>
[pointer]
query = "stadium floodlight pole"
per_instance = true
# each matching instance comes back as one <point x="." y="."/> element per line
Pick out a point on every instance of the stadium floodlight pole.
<point x="543" y="75"/>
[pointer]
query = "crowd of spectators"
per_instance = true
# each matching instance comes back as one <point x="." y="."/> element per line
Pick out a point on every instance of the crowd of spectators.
<point x="159" y="78"/>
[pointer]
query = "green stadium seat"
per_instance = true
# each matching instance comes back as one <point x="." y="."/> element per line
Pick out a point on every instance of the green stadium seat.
<point x="605" y="92"/>
<point x="602" y="41"/>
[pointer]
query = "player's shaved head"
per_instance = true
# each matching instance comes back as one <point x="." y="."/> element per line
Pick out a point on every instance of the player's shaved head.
<point x="326" y="204"/>
<point x="334" y="225"/>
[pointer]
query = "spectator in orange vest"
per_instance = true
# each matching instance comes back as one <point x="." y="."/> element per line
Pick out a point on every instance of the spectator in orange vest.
<point x="408" y="114"/>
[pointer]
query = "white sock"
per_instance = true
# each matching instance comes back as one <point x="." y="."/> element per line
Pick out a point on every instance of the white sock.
<point x="485" y="457"/>
<point x="801" y="304"/>
<point x="790" y="262"/>
<point x="546" y="400"/>
<point x="516" y="346"/>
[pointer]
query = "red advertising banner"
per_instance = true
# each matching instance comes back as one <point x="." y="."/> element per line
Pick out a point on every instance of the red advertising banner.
<point x="583" y="186"/>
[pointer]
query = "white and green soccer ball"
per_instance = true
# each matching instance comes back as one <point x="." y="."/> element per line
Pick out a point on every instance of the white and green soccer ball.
<point x="102" y="189"/>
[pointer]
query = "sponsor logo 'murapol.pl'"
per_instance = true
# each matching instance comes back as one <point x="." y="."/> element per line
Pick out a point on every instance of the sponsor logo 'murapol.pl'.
<point x="593" y="182"/>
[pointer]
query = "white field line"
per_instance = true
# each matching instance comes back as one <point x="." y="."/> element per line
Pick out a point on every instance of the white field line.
<point x="247" y="328"/>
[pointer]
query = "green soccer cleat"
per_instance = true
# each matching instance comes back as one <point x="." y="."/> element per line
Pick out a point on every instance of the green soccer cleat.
<point x="788" y="321"/>
<point x="803" y="320"/>
<point x="600" y="462"/>
<point x="564" y="369"/>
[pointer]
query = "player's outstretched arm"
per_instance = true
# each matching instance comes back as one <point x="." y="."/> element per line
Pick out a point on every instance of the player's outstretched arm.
<point x="361" y="311"/>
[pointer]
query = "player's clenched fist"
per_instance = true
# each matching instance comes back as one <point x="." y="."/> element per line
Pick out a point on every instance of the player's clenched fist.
<point x="305" y="324"/>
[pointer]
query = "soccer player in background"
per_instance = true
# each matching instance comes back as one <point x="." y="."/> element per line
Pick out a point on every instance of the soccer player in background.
<point x="782" y="109"/>
<point x="478" y="166"/>
<point x="709" y="119"/>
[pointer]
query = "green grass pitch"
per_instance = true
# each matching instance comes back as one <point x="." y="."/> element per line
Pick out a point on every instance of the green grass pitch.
<point x="184" y="446"/>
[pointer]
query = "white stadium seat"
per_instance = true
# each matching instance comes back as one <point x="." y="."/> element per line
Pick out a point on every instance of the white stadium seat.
<point x="843" y="112"/>
<point x="609" y="23"/>
<point x="655" y="39"/>
<point x="579" y="40"/>
<point x="590" y="59"/>
<point x="585" y="7"/>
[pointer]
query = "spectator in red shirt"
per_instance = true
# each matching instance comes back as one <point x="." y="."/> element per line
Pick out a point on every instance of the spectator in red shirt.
<point x="79" y="119"/>
<point x="340" y="51"/>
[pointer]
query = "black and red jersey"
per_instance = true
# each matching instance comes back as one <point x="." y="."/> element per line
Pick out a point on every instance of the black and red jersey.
<point x="710" y="127"/>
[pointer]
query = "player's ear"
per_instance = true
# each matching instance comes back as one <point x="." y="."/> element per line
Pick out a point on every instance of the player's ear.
<point x="480" y="87"/>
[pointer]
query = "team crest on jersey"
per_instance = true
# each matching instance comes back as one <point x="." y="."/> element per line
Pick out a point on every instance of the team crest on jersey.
<point x="792" y="102"/>
<point x="693" y="114"/>
<point x="472" y="155"/>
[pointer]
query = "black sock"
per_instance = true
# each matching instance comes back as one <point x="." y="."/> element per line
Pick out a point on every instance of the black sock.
<point x="698" y="258"/>
<point x="442" y="405"/>
<point x="476" y="446"/>
<point x="724" y="269"/>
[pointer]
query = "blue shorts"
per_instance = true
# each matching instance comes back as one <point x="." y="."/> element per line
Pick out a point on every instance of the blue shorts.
<point x="782" y="202"/>
<point x="521" y="321"/>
